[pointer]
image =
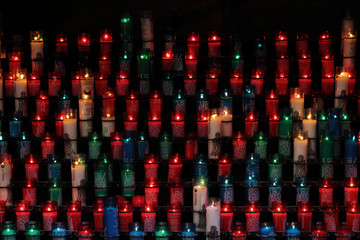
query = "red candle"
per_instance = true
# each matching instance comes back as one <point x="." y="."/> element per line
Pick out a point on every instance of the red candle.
<point x="38" y="126"/>
<point x="282" y="65"/>
<point x="116" y="146"/>
<point x="353" y="216"/>
<point x="49" y="213"/>
<point x="152" y="191"/>
<point x="236" y="82"/>
<point x="2" y="211"/>
<point x="98" y="214"/>
<point x="324" y="43"/>
<point x="177" y="193"/>
<point x="101" y="84"/>
<point x="130" y="123"/>
<point x="302" y="42"/>
<point x="193" y="43"/>
<point x="281" y="43"/>
<point x="328" y="84"/>
<point x="344" y="233"/>
<point x="224" y="165"/>
<point x="202" y="123"/>
<point x="352" y="81"/>
<point x="106" y="40"/>
<point x="252" y="215"/>
<point x="32" y="167"/>
<point x="138" y="201"/>
<point x="42" y="104"/>
<point x="148" y="215"/>
<point x="305" y="83"/>
<point x="174" y="217"/>
<point x="331" y="216"/>
<point x="132" y="104"/>
<point x="33" y="84"/>
<point x="226" y="216"/>
<point x="191" y="63"/>
<point x="9" y="84"/>
<point x="151" y="164"/>
<point x="54" y="83"/>
<point x="47" y="145"/>
<point x="59" y="124"/>
<point x="84" y="42"/>
<point x="279" y="214"/>
<point x="351" y="190"/>
<point x="76" y="84"/>
<point x="125" y="216"/>
<point x="239" y="145"/>
<point x="85" y="231"/>
<point x="326" y="191"/>
<point x="214" y="45"/>
<point x="190" y="83"/>
<point x="178" y="124"/>
<point x="238" y="231"/>
<point x="73" y="215"/>
<point x="155" y="103"/>
<point x="318" y="232"/>
<point x="251" y="123"/>
<point x="272" y="103"/>
<point x="304" y="215"/>
<point x="121" y="200"/>
<point x="22" y="213"/>
<point x="61" y="43"/>
<point x="191" y="146"/>
<point x="122" y="83"/>
<point x="274" y="125"/>
<point x="282" y="84"/>
<point x="29" y="192"/>
<point x="109" y="101"/>
<point x="154" y="123"/>
<point x="167" y="60"/>
<point x="304" y="64"/>
<point x="175" y="168"/>
<point x="14" y="62"/>
<point x="327" y="63"/>
<point x="211" y="82"/>
<point x="257" y="80"/>
<point x="104" y="65"/>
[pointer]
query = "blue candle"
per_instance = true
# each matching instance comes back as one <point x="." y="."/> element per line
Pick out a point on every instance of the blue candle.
<point x="3" y="144"/>
<point x="252" y="193"/>
<point x="252" y="166"/>
<point x="188" y="231"/>
<point x="64" y="102"/>
<point x="226" y="188"/>
<point x="292" y="231"/>
<point x="178" y="60"/>
<point x="302" y="189"/>
<point x="275" y="191"/>
<point x="267" y="231"/>
<point x="15" y="125"/>
<point x="24" y="146"/>
<point x="136" y="231"/>
<point x="226" y="99"/>
<point x="351" y="154"/>
<point x="142" y="146"/>
<point x="58" y="231"/>
<point x="334" y="122"/>
<point x="200" y="166"/>
<point x="54" y="166"/>
<point x="248" y="98"/>
<point x="202" y="101"/>
<point x="128" y="146"/>
<point x="111" y="221"/>
<point x="179" y="102"/>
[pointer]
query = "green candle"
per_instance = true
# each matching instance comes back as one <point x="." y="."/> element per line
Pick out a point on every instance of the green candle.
<point x="261" y="144"/>
<point x="127" y="179"/>
<point x="165" y="146"/>
<point x="95" y="145"/>
<point x="101" y="178"/>
<point x="32" y="230"/>
<point x="144" y="63"/>
<point x="322" y="121"/>
<point x="55" y="190"/>
<point x="327" y="147"/>
<point x="8" y="230"/>
<point x="275" y="167"/>
<point x="285" y="123"/>
<point x="126" y="27"/>
<point x="162" y="231"/>
<point x="345" y="122"/>
<point x="110" y="170"/>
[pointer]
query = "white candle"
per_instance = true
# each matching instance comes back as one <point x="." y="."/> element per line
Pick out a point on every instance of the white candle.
<point x="341" y="83"/>
<point x="20" y="86"/>
<point x="214" y="126"/>
<point x="6" y="174"/>
<point x="147" y="33"/>
<point x="6" y="195"/>
<point x="214" y="147"/>
<point x="77" y="171"/>
<point x="108" y="125"/>
<point x="226" y="124"/>
<point x="85" y="128"/>
<point x="70" y="125"/>
<point x="87" y="84"/>
<point x="309" y="126"/>
<point x="349" y="46"/>
<point x="70" y="148"/>
<point x="213" y="219"/>
<point x="86" y="107"/>
<point x="300" y="148"/>
<point x="37" y="50"/>
<point x="297" y="103"/>
<point x="200" y="196"/>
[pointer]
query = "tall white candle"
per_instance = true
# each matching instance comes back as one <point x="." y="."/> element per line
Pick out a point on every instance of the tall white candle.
<point x="309" y="126"/>
<point x="213" y="218"/>
<point x="341" y="82"/>
<point x="6" y="174"/>
<point x="20" y="86"/>
<point x="86" y="107"/>
<point x="108" y="125"/>
<point x="226" y="124"/>
<point x="214" y="126"/>
<point x="349" y="46"/>
<point x="70" y="125"/>
<point x="78" y="170"/>
<point x="87" y="83"/>
<point x="147" y="33"/>
<point x="200" y="197"/>
<point x="297" y="102"/>
<point x="300" y="147"/>
<point x="36" y="45"/>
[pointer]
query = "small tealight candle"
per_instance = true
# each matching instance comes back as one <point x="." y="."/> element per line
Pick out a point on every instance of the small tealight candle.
<point x="292" y="231"/>
<point x="267" y="231"/>
<point x="85" y="231"/>
<point x="136" y="231"/>
<point x="8" y="230"/>
<point x="32" y="230"/>
<point x="58" y="230"/>
<point x="162" y="231"/>
<point x="188" y="231"/>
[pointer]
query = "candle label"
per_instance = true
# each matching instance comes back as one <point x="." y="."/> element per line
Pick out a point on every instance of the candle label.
<point x="214" y="148"/>
<point x="275" y="171"/>
<point x="351" y="170"/>
<point x="177" y="196"/>
<point x="125" y="65"/>
<point x="190" y="87"/>
<point x="174" y="220"/>
<point x="48" y="220"/>
<point x="149" y="224"/>
<point x="128" y="178"/>
<point x="154" y="129"/>
<point x="32" y="171"/>
<point x="152" y="196"/>
<point x="330" y="222"/>
<point x="144" y="86"/>
<point x="55" y="194"/>
<point x="202" y="129"/>
<point x="47" y="148"/>
<point x="167" y="87"/>
<point x="202" y="105"/>
<point x="60" y="66"/>
<point x="355" y="222"/>
<point x="117" y="150"/>
<point x="300" y="170"/>
<point x="179" y="105"/>
<point x="326" y="196"/>
<point x="38" y="66"/>
<point x="302" y="194"/>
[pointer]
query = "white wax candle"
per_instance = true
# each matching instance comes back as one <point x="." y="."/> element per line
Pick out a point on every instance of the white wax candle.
<point x="77" y="174"/>
<point x="200" y="196"/>
<point x="309" y="126"/>
<point x="214" y="126"/>
<point x="297" y="104"/>
<point x="87" y="85"/>
<point x="70" y="148"/>
<point x="341" y="83"/>
<point x="147" y="33"/>
<point x="349" y="44"/>
<point x="70" y="127"/>
<point x="349" y="64"/>
<point x="85" y="128"/>
<point x="300" y="148"/>
<point x="37" y="50"/>
<point x="212" y="218"/>
<point x="6" y="174"/>
<point x="214" y="147"/>
<point x="226" y="124"/>
<point x="20" y="88"/>
<point x="108" y="125"/>
<point x="6" y="195"/>
<point x="86" y="108"/>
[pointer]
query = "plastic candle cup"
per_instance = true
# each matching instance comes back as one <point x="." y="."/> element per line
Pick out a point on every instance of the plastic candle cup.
<point x="58" y="230"/>
<point x="191" y="63"/>
<point x="200" y="201"/>
<point x="29" y="192"/>
<point x="148" y="216"/>
<point x="302" y="189"/>
<point x="54" y="82"/>
<point x="211" y="82"/>
<point x="267" y="231"/>
<point x="122" y="83"/>
<point x="261" y="144"/>
<point x="14" y="62"/>
<point x="177" y="193"/>
<point x="190" y="82"/>
<point x="334" y="121"/>
<point x="47" y="145"/>
<point x="165" y="145"/>
<point x="167" y="84"/>
<point x="324" y="42"/>
<point x="8" y="230"/>
<point x="327" y="84"/>
<point x="351" y="153"/>
<point x="200" y="166"/>
<point x="15" y="126"/>
<point x="61" y="43"/>
<point x="167" y="60"/>
<point x="85" y="231"/>
<point x="281" y="43"/>
<point x="344" y="233"/>
<point x="23" y="145"/>
<point x="193" y="43"/>
<point x="352" y="81"/>
<point x="279" y="214"/>
<point x="136" y="231"/>
<point x="32" y="230"/>
<point x="34" y="84"/>
<point x="238" y="231"/>
<point x="304" y="64"/>
<point x="144" y="63"/>
<point x="178" y="124"/>
<point x="174" y="217"/>
<point x="214" y="45"/>
<point x="54" y="166"/>
<point x="83" y="42"/>
<point x="179" y="101"/>
<point x="226" y="216"/>
<point x="349" y="44"/>
<point x="345" y="122"/>
<point x="318" y="232"/>
<point x="226" y="99"/>
<point x="152" y="192"/>
<point x="331" y="216"/>
<point x="98" y="214"/>
<point x="162" y="231"/>
<point x="55" y="190"/>
<point x="257" y="80"/>
<point x="32" y="167"/>
<point x="224" y="164"/>
<point x="351" y="190"/>
<point x="127" y="179"/>
<point x="22" y="213"/>
<point x="239" y="145"/>
<point x="125" y="216"/>
<point x="111" y="220"/>
<point x="326" y="190"/>
<point x="326" y="151"/>
<point x="248" y="98"/>
<point x="282" y="82"/>
<point x="275" y="190"/>
<point x="283" y="65"/>
<point x="285" y="123"/>
<point x="3" y="143"/>
<point x="252" y="166"/>
<point x="70" y="124"/>
<point x="202" y="124"/>
<point x="251" y="123"/>
<point x="78" y="170"/>
<point x="191" y="146"/>
<point x="49" y="214"/>
<point x="59" y="124"/>
<point x="175" y="168"/>
<point x="106" y="40"/>
<point x="108" y="101"/>
<point x="236" y="82"/>
<point x="151" y="164"/>
<point x="252" y="214"/>
<point x="95" y="145"/>
<point x="305" y="83"/>
<point x="2" y="211"/>
<point x="116" y="146"/>
<point x="275" y="166"/>
<point x="73" y="215"/>
<point x="101" y="84"/>
<point x="101" y="181"/>
<point x="292" y="231"/>
<point x="226" y="188"/>
<point x="272" y="103"/>
<point x="154" y="124"/>
<point x="202" y="100"/>
<point x="304" y="209"/>
<point x="155" y="103"/>
<point x="302" y="40"/>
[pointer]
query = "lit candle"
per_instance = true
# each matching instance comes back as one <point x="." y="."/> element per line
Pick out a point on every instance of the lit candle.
<point x="20" y="85"/>
<point x="351" y="190"/>
<point x="42" y="103"/>
<point x="275" y="190"/>
<point x="252" y="170"/>
<point x="130" y="123"/>
<point x="309" y="127"/>
<point x="281" y="82"/>
<point x="85" y="231"/>
<point x="148" y="216"/>
<point x="238" y="231"/>
<point x="151" y="164"/>
<point x="54" y="83"/>
<point x="154" y="124"/>
<point x="352" y="81"/>
<point x="252" y="214"/>
<point x="283" y="65"/>
<point x="267" y="231"/>
<point x="128" y="179"/>
<point x="191" y="63"/>
<point x="351" y="153"/>
<point x="73" y="214"/>
<point x="54" y="167"/>
<point x="251" y="123"/>
<point x="132" y="104"/>
<point x="167" y="60"/>
<point x="37" y="45"/>
<point x="116" y="146"/>
<point x="78" y="175"/>
<point x="83" y="42"/>
<point x="200" y="166"/>
<point x="275" y="166"/>
<point x="108" y="124"/>
<point x="349" y="44"/>
<point x="200" y="201"/>
<point x="292" y="231"/>
<point x="61" y="43"/>
<point x="136" y="231"/>
<point x="341" y="82"/>
<point x="29" y="192"/>
<point x="305" y="83"/>
<point x="32" y="230"/>
<point x="302" y="42"/>
<point x="8" y="230"/>
<point x="178" y="124"/>
<point x="252" y="191"/>
<point x="152" y="191"/>
<point x="236" y="82"/>
<point x="279" y="214"/>
<point x="174" y="217"/>
<point x="304" y="64"/>
<point x="55" y="190"/>
<point x="214" y="125"/>
<point x="142" y="145"/>
<point x="23" y="146"/>
<point x="331" y="216"/>
<point x="226" y="188"/>
<point x="162" y="231"/>
<point x="304" y="214"/>
<point x="14" y="62"/>
<point x="179" y="100"/>
<point x="226" y="123"/>
<point x="87" y="81"/>
<point x="327" y="63"/>
<point x="273" y="125"/>
<point x="6" y="178"/>
<point x="213" y="218"/>
<point x="326" y="190"/>
<point x="98" y="215"/>
<point x="302" y="189"/>
<point x="106" y="40"/>
<point x="191" y="146"/>
<point x="193" y="43"/>
<point x="9" y="84"/>
<point x="104" y="65"/>
<point x="211" y="82"/>
<point x="155" y="103"/>
<point x="22" y="213"/>
<point x="70" y="124"/>
<point x="261" y="144"/>
<point x="353" y="216"/>
<point x="101" y="82"/>
<point x="202" y="124"/>
<point x="122" y="83"/>
<point x="58" y="230"/>
<point x="281" y="43"/>
<point x="300" y="155"/>
<point x="272" y="104"/>
<point x="214" y="44"/>
<point x="239" y="145"/>
<point x="101" y="182"/>
<point x="32" y="167"/>
<point x="202" y="101"/>
<point x="324" y="43"/>
<point x="297" y="102"/>
<point x="2" y="211"/>
<point x="257" y="80"/>
<point x="175" y="168"/>
<point x="49" y="214"/>
<point x="76" y="83"/>
<point x="226" y="216"/>
<point x="190" y="81"/>
<point x="319" y="232"/>
<point x="38" y="126"/>
<point x="111" y="220"/>
<point x="125" y="216"/>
